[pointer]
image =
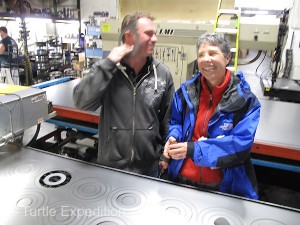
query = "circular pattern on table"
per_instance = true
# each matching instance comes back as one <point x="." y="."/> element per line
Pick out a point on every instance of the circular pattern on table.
<point x="54" y="179"/>
<point x="127" y="200"/>
<point x="178" y="207"/>
<point x="90" y="189"/>
<point x="219" y="216"/>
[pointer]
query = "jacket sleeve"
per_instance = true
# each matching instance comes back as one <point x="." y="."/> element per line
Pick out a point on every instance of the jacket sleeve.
<point x="88" y="93"/>
<point x="229" y="150"/>
<point x="176" y="121"/>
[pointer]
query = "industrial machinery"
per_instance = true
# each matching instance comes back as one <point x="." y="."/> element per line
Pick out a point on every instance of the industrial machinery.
<point x="39" y="187"/>
<point x="177" y="40"/>
<point x="262" y="30"/>
<point x="20" y="108"/>
<point x="285" y="81"/>
<point x="42" y="61"/>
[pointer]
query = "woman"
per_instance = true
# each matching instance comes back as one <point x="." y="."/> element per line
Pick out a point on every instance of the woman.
<point x="213" y="124"/>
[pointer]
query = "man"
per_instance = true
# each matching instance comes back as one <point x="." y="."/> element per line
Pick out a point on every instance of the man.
<point x="8" y="48"/>
<point x="7" y="45"/>
<point x="135" y="92"/>
<point x="213" y="123"/>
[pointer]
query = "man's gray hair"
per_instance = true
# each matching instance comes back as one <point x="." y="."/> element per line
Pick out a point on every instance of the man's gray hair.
<point x="215" y="39"/>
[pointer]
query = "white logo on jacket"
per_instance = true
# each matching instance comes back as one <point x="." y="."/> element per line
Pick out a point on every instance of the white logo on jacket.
<point x="226" y="126"/>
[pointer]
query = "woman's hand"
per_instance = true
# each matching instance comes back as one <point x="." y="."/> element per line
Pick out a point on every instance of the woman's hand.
<point x="175" y="150"/>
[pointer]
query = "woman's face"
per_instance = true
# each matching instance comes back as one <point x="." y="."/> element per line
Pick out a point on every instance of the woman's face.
<point x="212" y="63"/>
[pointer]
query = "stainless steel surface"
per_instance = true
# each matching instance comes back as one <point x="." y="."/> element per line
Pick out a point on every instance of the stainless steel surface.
<point x="97" y="195"/>
<point x="279" y="123"/>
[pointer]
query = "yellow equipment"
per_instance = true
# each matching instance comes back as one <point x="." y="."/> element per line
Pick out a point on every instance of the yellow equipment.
<point x="232" y="29"/>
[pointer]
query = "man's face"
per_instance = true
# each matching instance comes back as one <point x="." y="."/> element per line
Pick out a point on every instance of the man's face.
<point x="1" y="34"/>
<point x="146" y="32"/>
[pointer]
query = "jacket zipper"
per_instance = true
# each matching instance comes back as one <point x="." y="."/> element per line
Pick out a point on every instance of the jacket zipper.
<point x="205" y="120"/>
<point x="208" y="108"/>
<point x="133" y="114"/>
<point x="133" y="127"/>
<point x="186" y="135"/>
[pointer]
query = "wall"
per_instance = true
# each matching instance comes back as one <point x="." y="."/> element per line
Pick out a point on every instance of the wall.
<point x="175" y="9"/>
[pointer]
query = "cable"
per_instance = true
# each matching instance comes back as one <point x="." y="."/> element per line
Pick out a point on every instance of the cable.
<point x="260" y="64"/>
<point x="252" y="60"/>
<point x="289" y="60"/>
<point x="34" y="138"/>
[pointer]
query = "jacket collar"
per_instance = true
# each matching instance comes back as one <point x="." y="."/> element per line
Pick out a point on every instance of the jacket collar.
<point x="233" y="98"/>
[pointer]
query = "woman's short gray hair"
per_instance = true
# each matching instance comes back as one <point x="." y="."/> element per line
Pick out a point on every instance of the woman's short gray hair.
<point x="216" y="39"/>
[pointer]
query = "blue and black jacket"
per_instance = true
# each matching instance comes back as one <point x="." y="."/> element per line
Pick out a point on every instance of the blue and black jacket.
<point x="235" y="120"/>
